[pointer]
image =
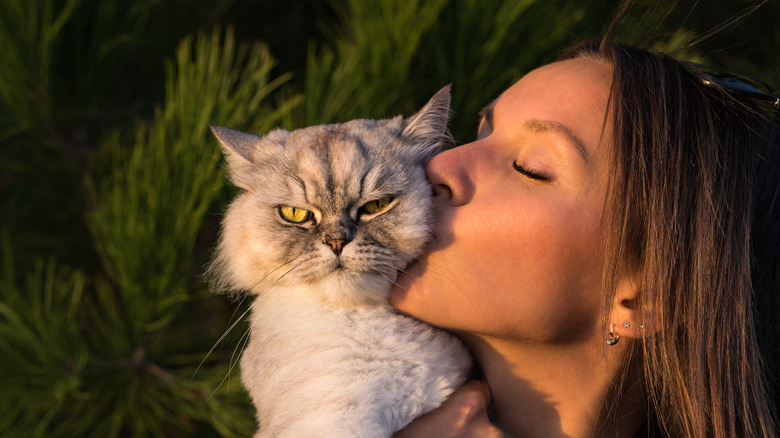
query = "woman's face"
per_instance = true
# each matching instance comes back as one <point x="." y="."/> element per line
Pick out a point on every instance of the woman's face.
<point x="516" y="248"/>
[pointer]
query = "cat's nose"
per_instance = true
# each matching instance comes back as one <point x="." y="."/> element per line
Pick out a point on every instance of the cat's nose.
<point x="336" y="243"/>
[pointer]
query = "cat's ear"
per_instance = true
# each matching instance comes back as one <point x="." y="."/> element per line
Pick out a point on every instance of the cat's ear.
<point x="242" y="150"/>
<point x="427" y="129"/>
<point x="236" y="145"/>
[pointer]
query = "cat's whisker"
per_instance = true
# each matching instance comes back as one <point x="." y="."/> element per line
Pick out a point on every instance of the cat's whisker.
<point x="238" y="306"/>
<point x="221" y="338"/>
<point x="403" y="272"/>
<point x="394" y="283"/>
<point x="235" y="358"/>
<point x="381" y="263"/>
<point x="233" y="362"/>
<point x="450" y="266"/>
<point x="290" y="270"/>
<point x="455" y="284"/>
<point x="259" y="282"/>
<point x="440" y="259"/>
<point x="275" y="286"/>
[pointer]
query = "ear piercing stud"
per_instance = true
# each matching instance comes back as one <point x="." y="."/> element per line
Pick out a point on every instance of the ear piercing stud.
<point x="613" y="338"/>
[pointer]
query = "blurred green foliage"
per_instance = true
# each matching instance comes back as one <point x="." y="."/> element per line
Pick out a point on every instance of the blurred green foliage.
<point x="111" y="184"/>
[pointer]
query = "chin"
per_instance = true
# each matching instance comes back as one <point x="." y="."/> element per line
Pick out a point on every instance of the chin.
<point x="350" y="289"/>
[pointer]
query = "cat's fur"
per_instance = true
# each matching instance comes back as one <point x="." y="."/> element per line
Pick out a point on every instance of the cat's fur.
<point x="327" y="356"/>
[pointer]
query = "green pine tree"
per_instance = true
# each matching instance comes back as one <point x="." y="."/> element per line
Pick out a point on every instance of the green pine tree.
<point x="111" y="184"/>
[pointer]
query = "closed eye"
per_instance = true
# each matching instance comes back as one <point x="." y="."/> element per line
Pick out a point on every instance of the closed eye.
<point x="530" y="174"/>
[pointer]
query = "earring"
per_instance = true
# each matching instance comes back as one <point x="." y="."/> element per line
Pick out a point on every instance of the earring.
<point x="613" y="338"/>
<point x="626" y="324"/>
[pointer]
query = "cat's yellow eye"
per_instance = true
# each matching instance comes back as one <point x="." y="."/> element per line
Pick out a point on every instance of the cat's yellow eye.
<point x="376" y="205"/>
<point x="294" y="214"/>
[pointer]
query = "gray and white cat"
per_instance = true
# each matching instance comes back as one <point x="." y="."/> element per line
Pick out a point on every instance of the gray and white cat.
<point x="327" y="217"/>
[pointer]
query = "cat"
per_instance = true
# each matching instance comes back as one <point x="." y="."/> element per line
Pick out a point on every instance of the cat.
<point x="326" y="218"/>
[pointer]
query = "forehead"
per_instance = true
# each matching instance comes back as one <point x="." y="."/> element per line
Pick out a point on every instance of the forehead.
<point x="573" y="92"/>
<point x="333" y="166"/>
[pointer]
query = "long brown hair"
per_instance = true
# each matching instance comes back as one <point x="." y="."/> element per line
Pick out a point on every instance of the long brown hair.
<point x="694" y="207"/>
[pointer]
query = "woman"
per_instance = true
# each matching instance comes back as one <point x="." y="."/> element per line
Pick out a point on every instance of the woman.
<point x="608" y="250"/>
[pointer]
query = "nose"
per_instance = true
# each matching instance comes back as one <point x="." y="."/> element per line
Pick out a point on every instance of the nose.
<point x="336" y="242"/>
<point x="450" y="174"/>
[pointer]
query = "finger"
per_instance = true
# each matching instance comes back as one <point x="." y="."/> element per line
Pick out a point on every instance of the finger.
<point x="478" y="388"/>
<point x="463" y="414"/>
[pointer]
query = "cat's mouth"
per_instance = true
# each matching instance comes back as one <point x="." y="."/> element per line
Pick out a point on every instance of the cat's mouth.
<point x="340" y="267"/>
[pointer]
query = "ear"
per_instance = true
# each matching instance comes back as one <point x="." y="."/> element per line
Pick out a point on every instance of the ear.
<point x="427" y="129"/>
<point x="625" y="318"/>
<point x="243" y="150"/>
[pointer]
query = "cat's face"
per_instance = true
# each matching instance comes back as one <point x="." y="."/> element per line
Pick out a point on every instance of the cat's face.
<point x="333" y="211"/>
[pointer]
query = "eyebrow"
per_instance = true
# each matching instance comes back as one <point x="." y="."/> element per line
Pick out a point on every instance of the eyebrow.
<point x="544" y="126"/>
<point x="486" y="113"/>
<point x="540" y="126"/>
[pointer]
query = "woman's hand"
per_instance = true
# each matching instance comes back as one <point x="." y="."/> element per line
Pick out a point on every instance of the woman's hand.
<point x="463" y="415"/>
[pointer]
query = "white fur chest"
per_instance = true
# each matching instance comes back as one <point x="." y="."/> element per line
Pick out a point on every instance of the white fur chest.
<point x="314" y="371"/>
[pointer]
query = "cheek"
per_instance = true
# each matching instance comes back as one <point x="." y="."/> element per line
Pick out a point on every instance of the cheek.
<point x="534" y="273"/>
<point x="531" y="274"/>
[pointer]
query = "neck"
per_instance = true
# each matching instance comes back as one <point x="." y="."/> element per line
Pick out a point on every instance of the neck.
<point x="560" y="391"/>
